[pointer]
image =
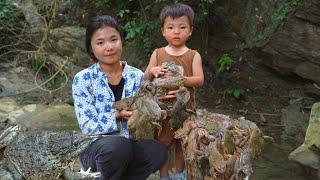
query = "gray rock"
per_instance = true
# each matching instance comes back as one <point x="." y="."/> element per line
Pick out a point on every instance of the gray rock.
<point x="69" y="41"/>
<point x="55" y="118"/>
<point x="306" y="157"/>
<point x="308" y="153"/>
<point x="14" y="80"/>
<point x="313" y="131"/>
<point x="38" y="117"/>
<point x="31" y="14"/>
<point x="295" y="123"/>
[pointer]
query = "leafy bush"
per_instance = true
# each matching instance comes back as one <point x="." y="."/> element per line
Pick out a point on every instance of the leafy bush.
<point x="11" y="23"/>
<point x="139" y="19"/>
<point x="237" y="93"/>
<point x="224" y="62"/>
<point x="35" y="63"/>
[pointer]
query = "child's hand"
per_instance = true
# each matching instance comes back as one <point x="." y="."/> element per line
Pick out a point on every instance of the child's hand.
<point x="158" y="71"/>
<point x="125" y="114"/>
<point x="172" y="92"/>
<point x="201" y="133"/>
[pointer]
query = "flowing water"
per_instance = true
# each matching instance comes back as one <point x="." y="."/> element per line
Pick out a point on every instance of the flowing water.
<point x="273" y="163"/>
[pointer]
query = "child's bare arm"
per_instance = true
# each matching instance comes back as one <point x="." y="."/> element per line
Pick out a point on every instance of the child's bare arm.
<point x="197" y="78"/>
<point x="153" y="70"/>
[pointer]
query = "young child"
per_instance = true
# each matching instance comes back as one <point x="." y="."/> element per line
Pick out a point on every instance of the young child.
<point x="176" y="26"/>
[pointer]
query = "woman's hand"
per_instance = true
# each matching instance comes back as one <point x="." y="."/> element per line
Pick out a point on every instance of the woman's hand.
<point x="156" y="71"/>
<point x="124" y="114"/>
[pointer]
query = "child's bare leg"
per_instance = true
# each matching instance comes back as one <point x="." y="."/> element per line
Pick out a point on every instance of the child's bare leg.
<point x="164" y="169"/>
<point x="166" y="138"/>
<point x="179" y="159"/>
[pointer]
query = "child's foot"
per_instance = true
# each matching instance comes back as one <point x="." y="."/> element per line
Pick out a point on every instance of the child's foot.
<point x="166" y="178"/>
<point x="180" y="176"/>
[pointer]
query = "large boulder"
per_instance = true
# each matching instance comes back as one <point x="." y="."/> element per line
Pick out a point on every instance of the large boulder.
<point x="294" y="47"/>
<point x="69" y="42"/>
<point x="7" y="105"/>
<point x="295" y="123"/>
<point x="308" y="153"/>
<point x="14" y="80"/>
<point x="33" y="18"/>
<point x="37" y="116"/>
<point x="284" y="34"/>
<point x="55" y="117"/>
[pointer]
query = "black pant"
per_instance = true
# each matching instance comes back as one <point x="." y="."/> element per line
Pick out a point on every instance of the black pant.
<point x="117" y="157"/>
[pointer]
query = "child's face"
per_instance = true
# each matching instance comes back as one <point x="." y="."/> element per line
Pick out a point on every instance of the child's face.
<point x="176" y="31"/>
<point x="107" y="45"/>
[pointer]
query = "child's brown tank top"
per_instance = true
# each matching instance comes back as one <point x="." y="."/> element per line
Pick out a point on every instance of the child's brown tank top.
<point x="185" y="60"/>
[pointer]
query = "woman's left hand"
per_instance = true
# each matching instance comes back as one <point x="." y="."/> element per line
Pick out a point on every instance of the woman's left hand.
<point x="124" y="114"/>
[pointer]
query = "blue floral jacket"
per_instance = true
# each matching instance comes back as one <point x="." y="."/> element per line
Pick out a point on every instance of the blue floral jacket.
<point x="93" y="99"/>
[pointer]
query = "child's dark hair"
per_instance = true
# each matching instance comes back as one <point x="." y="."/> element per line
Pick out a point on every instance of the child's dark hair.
<point x="95" y="24"/>
<point x="176" y="11"/>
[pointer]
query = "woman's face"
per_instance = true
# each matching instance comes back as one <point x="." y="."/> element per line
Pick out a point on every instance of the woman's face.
<point x="107" y="45"/>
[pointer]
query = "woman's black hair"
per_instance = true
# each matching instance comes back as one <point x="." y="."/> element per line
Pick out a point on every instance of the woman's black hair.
<point x="95" y="24"/>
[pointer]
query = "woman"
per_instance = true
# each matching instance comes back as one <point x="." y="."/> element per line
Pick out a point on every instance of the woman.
<point x="94" y="91"/>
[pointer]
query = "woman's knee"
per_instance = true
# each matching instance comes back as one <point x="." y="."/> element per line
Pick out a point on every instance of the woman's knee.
<point x="122" y="148"/>
<point x="115" y="148"/>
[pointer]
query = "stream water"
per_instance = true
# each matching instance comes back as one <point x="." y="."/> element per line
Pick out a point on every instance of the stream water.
<point x="273" y="163"/>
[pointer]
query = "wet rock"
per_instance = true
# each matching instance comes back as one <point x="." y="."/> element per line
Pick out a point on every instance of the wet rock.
<point x="38" y="116"/>
<point x="69" y="41"/>
<point x="7" y="105"/>
<point x="286" y="34"/>
<point x="295" y="123"/>
<point x="55" y="118"/>
<point x="24" y="113"/>
<point x="313" y="131"/>
<point x="294" y="47"/>
<point x="313" y="90"/>
<point x="308" y="153"/>
<point x="309" y="11"/>
<point x="5" y="175"/>
<point x="305" y="156"/>
<point x="31" y="14"/>
<point x="14" y="80"/>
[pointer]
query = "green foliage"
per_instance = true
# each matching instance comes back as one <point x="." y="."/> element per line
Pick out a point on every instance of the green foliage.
<point x="35" y="63"/>
<point x="27" y="97"/>
<point x="280" y="15"/>
<point x="224" y="62"/>
<point x="139" y="20"/>
<point x="49" y="83"/>
<point x="43" y="8"/>
<point x="123" y="12"/>
<point x="317" y="30"/>
<point x="295" y="2"/>
<point x="208" y="1"/>
<point x="237" y="93"/>
<point x="11" y="23"/>
<point x="100" y="4"/>
<point x="202" y="14"/>
<point x="282" y="11"/>
<point x="11" y="15"/>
